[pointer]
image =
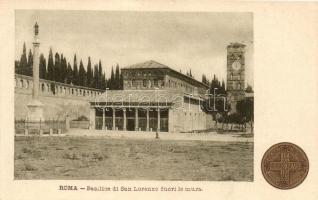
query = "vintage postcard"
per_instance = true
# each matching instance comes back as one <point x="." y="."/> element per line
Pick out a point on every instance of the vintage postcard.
<point x="124" y="100"/>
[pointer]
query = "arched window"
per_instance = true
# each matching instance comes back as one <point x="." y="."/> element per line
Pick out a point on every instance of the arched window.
<point x="231" y="76"/>
<point x="239" y="86"/>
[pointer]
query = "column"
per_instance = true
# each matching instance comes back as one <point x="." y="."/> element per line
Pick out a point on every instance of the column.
<point x="147" y="128"/>
<point x="158" y="125"/>
<point x="136" y="119"/>
<point x="114" y="122"/>
<point x="36" y="61"/>
<point x="125" y="120"/>
<point x="103" y="123"/>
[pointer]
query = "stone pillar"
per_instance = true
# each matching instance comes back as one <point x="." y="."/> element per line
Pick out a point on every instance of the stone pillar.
<point x="147" y="128"/>
<point x="136" y="120"/>
<point x="35" y="107"/>
<point x="103" y="123"/>
<point x="114" y="117"/>
<point x="158" y="124"/>
<point x="125" y="120"/>
<point x="36" y="61"/>
<point x="92" y="116"/>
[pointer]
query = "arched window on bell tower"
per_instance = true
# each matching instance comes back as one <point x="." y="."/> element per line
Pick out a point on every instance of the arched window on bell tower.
<point x="238" y="86"/>
<point x="231" y="76"/>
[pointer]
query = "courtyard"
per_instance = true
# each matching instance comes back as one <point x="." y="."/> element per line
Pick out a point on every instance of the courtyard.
<point x="107" y="158"/>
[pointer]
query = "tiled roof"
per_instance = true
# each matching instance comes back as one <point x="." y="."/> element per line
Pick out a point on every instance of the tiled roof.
<point x="140" y="96"/>
<point x="146" y="65"/>
<point x="151" y="64"/>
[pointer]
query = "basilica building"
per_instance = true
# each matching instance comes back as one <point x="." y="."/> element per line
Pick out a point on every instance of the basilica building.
<point x="155" y="97"/>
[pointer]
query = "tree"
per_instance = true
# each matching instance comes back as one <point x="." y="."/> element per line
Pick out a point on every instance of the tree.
<point x="43" y="71"/>
<point x="111" y="80"/>
<point x="245" y="109"/>
<point x="57" y="68"/>
<point x="75" y="72"/>
<point x="96" y="81"/>
<point x="29" y="69"/>
<point x="249" y="89"/>
<point x="23" y="62"/>
<point x="63" y="69"/>
<point x="89" y="74"/>
<point x="117" y="78"/>
<point x="69" y="74"/>
<point x="103" y="82"/>
<point x="82" y="74"/>
<point x="50" y="66"/>
<point x="100" y="74"/>
<point x="17" y="67"/>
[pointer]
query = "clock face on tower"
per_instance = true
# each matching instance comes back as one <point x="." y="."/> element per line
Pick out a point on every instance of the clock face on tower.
<point x="236" y="65"/>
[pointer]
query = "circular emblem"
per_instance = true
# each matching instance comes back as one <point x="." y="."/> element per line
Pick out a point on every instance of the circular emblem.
<point x="236" y="65"/>
<point x="285" y="165"/>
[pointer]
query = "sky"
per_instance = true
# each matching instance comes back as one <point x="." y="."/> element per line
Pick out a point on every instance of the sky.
<point x="180" y="40"/>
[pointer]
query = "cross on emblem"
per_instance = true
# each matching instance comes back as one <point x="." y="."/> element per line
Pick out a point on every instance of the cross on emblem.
<point x="285" y="166"/>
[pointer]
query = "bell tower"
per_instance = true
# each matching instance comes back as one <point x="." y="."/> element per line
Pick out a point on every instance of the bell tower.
<point x="235" y="79"/>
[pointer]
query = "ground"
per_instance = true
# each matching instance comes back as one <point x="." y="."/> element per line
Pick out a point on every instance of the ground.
<point x="131" y="159"/>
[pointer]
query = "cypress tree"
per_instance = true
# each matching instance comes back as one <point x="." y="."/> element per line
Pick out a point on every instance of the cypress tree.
<point x="89" y="74"/>
<point x="23" y="61"/>
<point x="50" y="66"/>
<point x="82" y="74"/>
<point x="103" y="85"/>
<point x="223" y="87"/>
<point x="117" y="78"/>
<point x="62" y="69"/>
<point x="29" y="70"/>
<point x="42" y="69"/>
<point x="96" y="81"/>
<point x="100" y="74"/>
<point x="57" y="68"/>
<point x="17" y="67"/>
<point x="69" y="74"/>
<point x="75" y="72"/>
<point x="112" y="79"/>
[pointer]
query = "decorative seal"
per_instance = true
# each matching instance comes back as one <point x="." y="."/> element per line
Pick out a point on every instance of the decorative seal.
<point x="285" y="165"/>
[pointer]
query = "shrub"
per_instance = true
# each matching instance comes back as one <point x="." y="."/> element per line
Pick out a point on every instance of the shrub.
<point x="81" y="118"/>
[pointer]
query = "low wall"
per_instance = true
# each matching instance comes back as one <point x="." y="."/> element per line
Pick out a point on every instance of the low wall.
<point x="54" y="106"/>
